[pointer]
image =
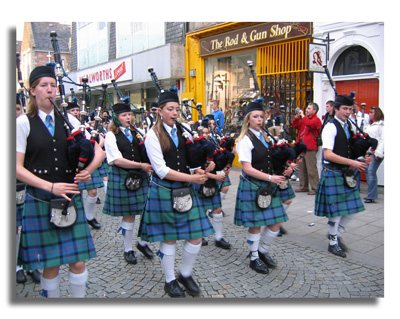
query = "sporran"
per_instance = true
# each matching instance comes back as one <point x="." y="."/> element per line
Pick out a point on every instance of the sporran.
<point x="182" y="200"/>
<point x="63" y="212"/>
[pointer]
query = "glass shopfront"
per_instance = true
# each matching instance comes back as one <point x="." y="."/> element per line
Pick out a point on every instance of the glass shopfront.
<point x="228" y="81"/>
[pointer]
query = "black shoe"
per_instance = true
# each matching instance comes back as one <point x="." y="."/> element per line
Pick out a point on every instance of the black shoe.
<point x="35" y="274"/>
<point x="282" y="231"/>
<point x="94" y="223"/>
<point x="340" y="243"/>
<point x="204" y="242"/>
<point x="98" y="201"/>
<point x="130" y="257"/>
<point x="21" y="278"/>
<point x="369" y="201"/>
<point x="145" y="250"/>
<point x="222" y="244"/>
<point x="258" y="266"/>
<point x="336" y="250"/>
<point x="174" y="290"/>
<point x="191" y="286"/>
<point x="267" y="260"/>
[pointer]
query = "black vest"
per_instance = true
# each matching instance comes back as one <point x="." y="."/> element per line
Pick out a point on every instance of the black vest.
<point x="128" y="150"/>
<point x="261" y="157"/>
<point x="46" y="156"/>
<point x="342" y="143"/>
<point x="175" y="158"/>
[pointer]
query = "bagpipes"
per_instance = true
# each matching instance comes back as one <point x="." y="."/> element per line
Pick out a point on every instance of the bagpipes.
<point x="80" y="150"/>
<point x="22" y="91"/>
<point x="361" y="143"/>
<point x="224" y="145"/>
<point x="283" y="153"/>
<point x="200" y="150"/>
<point x="138" y="134"/>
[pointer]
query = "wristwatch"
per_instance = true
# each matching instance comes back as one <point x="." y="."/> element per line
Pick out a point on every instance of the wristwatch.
<point x="269" y="177"/>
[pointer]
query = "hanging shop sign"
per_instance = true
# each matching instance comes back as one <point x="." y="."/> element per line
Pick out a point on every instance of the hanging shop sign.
<point x="254" y="35"/>
<point x="316" y="57"/>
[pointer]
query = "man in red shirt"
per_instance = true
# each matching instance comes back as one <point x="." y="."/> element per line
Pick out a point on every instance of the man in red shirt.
<point x="309" y="126"/>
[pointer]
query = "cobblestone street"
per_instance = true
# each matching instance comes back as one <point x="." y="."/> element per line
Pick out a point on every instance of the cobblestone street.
<point x="305" y="268"/>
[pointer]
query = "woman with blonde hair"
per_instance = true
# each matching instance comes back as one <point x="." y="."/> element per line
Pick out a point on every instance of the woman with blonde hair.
<point x="262" y="215"/>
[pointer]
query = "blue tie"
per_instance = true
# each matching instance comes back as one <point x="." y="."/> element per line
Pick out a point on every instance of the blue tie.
<point x="49" y="125"/>
<point x="128" y="134"/>
<point x="346" y="130"/>
<point x="174" y="137"/>
<point x="262" y="139"/>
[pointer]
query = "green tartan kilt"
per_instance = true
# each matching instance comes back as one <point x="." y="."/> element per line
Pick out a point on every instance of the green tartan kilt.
<point x="161" y="223"/>
<point x="95" y="182"/>
<point x="209" y="202"/>
<point x="42" y="244"/>
<point x="334" y="197"/>
<point x="119" y="200"/>
<point x="248" y="214"/>
<point x="104" y="169"/>
<point x="286" y="194"/>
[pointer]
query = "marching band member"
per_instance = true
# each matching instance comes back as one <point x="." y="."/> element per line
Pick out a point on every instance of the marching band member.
<point x="253" y="210"/>
<point x="122" y="198"/>
<point x="335" y="199"/>
<point x="170" y="182"/>
<point x="42" y="163"/>
<point x="91" y="186"/>
<point x="214" y="203"/>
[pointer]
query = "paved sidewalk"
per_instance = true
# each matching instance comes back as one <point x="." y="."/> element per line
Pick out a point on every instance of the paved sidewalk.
<point x="305" y="268"/>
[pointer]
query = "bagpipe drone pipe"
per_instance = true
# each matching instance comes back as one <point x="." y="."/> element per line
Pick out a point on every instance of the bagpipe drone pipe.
<point x="200" y="151"/>
<point x="138" y="134"/>
<point x="80" y="149"/>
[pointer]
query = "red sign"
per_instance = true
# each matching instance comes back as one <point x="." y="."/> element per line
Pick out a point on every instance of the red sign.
<point x="119" y="70"/>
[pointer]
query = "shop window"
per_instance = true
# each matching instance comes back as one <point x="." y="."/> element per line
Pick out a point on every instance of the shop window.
<point x="354" y="60"/>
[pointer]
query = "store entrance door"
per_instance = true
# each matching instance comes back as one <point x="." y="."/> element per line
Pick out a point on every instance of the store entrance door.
<point x="367" y="91"/>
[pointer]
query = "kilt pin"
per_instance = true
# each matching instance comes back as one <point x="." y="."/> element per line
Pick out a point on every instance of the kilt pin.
<point x="119" y="200"/>
<point x="334" y="197"/>
<point x="248" y="214"/>
<point x="43" y="245"/>
<point x="161" y="223"/>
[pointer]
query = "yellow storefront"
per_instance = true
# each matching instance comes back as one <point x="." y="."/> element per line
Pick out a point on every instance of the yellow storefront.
<point x="216" y="63"/>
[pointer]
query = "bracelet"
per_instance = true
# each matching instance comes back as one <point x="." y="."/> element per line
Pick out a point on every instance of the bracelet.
<point x="52" y="185"/>
<point x="269" y="178"/>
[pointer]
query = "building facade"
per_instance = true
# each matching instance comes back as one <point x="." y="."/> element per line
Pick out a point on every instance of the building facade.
<point x="356" y="63"/>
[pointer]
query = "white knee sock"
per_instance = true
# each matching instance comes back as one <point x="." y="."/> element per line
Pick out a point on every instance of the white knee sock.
<point x="127" y="232"/>
<point x="223" y="195"/>
<point x="189" y="255"/>
<point x="105" y="186"/>
<point x="253" y="241"/>
<point x="267" y="237"/>
<point x="77" y="283"/>
<point x="167" y="255"/>
<point x="217" y="223"/>
<point x="344" y="221"/>
<point x="50" y="287"/>
<point x="285" y="207"/>
<point x="89" y="207"/>
<point x="333" y="224"/>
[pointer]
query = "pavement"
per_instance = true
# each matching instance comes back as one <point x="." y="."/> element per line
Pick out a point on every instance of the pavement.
<point x="305" y="267"/>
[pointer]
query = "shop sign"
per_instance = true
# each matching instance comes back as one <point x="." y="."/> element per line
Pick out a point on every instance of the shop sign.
<point x="118" y="70"/>
<point x="316" y="57"/>
<point x="254" y="35"/>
